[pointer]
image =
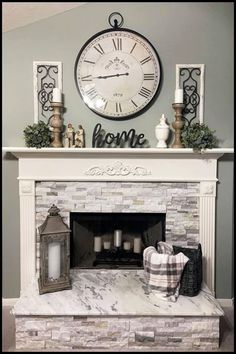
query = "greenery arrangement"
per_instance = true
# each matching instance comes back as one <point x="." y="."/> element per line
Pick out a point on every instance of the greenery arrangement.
<point x="37" y="135"/>
<point x="199" y="136"/>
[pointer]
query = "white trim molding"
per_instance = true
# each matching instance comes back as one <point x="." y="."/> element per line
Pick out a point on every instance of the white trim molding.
<point x="207" y="231"/>
<point x="9" y="302"/>
<point x="27" y="231"/>
<point x="226" y="302"/>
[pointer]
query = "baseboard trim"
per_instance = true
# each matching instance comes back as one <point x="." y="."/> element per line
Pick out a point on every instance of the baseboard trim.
<point x="9" y="301"/>
<point x="225" y="302"/>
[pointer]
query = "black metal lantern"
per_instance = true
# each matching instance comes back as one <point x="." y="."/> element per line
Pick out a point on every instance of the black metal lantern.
<point x="54" y="253"/>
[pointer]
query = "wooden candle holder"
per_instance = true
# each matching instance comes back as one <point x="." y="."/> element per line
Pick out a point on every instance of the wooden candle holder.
<point x="56" y="123"/>
<point x="178" y="125"/>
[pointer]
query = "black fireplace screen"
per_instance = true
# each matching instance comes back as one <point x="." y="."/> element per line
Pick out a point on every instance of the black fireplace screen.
<point x="113" y="240"/>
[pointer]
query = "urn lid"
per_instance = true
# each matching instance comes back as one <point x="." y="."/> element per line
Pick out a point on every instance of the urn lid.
<point x="162" y="123"/>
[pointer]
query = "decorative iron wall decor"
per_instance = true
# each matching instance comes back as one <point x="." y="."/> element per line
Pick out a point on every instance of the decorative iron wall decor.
<point x="47" y="75"/>
<point x="190" y="77"/>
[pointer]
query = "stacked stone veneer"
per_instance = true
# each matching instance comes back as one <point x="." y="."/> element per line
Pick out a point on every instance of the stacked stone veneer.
<point x="179" y="201"/>
<point x="140" y="333"/>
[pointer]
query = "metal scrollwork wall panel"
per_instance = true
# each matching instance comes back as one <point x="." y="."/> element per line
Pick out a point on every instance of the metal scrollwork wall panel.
<point x="47" y="75"/>
<point x="190" y="77"/>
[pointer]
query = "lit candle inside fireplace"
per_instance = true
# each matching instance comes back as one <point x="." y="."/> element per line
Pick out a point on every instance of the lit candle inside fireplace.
<point x="107" y="245"/>
<point x="126" y="245"/>
<point x="137" y="245"/>
<point x="117" y="238"/>
<point x="97" y="244"/>
<point x="54" y="260"/>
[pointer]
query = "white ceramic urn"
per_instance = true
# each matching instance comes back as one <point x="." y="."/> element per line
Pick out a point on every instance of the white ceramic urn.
<point x="162" y="132"/>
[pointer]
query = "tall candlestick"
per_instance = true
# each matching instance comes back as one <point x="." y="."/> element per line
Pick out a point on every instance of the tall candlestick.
<point x="56" y="123"/>
<point x="178" y="124"/>
<point x="97" y="244"/>
<point x="56" y="95"/>
<point x="54" y="260"/>
<point x="137" y="245"/>
<point x="117" y="238"/>
<point x="179" y="96"/>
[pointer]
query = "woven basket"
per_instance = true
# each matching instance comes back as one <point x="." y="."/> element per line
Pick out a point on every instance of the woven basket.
<point x="191" y="279"/>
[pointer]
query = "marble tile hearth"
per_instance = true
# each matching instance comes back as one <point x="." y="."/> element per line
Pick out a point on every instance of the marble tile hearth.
<point x="114" y="309"/>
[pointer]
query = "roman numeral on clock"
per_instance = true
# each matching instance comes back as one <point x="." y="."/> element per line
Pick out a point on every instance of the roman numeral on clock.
<point x="133" y="47"/>
<point x="92" y="93"/>
<point x="117" y="43"/>
<point x="99" y="48"/>
<point x="118" y="108"/>
<point x="145" y="60"/>
<point x="89" y="61"/>
<point x="144" y="92"/>
<point x="148" y="76"/>
<point x="86" y="78"/>
<point x="105" y="105"/>
<point x="134" y="103"/>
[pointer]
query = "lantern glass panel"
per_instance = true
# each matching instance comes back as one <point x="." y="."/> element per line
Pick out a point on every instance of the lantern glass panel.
<point x="63" y="252"/>
<point x="54" y="260"/>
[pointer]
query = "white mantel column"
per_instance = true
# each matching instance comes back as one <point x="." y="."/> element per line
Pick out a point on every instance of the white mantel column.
<point x="207" y="231"/>
<point x="27" y="231"/>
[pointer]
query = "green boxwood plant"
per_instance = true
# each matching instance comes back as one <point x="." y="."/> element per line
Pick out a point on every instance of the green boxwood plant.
<point x="199" y="136"/>
<point x="37" y="135"/>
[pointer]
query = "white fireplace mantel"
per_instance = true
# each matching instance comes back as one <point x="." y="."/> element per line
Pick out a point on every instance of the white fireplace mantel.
<point x="150" y="164"/>
<point x="116" y="164"/>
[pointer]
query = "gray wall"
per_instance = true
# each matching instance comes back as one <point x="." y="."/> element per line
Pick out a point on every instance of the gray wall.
<point x="182" y="33"/>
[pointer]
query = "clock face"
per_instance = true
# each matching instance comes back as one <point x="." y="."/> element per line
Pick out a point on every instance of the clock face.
<point x="117" y="73"/>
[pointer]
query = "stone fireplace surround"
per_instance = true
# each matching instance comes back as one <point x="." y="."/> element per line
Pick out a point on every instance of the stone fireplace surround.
<point x="178" y="200"/>
<point x="182" y="174"/>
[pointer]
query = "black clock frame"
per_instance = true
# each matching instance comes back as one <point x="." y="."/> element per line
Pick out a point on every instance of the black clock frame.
<point x="150" y="103"/>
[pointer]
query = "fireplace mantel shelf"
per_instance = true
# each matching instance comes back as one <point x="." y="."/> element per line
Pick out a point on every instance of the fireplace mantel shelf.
<point x="23" y="152"/>
<point x="117" y="164"/>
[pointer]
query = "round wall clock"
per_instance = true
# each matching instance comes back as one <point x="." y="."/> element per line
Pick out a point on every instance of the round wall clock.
<point x="118" y="73"/>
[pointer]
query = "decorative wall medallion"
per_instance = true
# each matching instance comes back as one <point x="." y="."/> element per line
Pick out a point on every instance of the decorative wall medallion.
<point x="47" y="75"/>
<point x="118" y="169"/>
<point x="190" y="77"/>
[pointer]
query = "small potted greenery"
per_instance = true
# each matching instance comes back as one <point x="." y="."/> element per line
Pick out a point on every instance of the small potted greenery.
<point x="37" y="135"/>
<point x="198" y="136"/>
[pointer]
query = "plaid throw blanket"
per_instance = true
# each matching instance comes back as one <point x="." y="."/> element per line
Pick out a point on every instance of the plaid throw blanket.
<point x="163" y="270"/>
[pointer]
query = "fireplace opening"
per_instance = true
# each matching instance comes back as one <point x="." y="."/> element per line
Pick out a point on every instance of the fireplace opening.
<point x="113" y="240"/>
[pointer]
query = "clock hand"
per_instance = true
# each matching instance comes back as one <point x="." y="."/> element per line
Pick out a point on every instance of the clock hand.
<point x="107" y="76"/>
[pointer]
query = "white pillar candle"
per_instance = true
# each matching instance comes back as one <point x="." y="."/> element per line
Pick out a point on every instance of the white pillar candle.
<point x="54" y="260"/>
<point x="137" y="245"/>
<point x="127" y="245"/>
<point x="107" y="245"/>
<point x="179" y="96"/>
<point x="97" y="244"/>
<point x="56" y="95"/>
<point x="117" y="238"/>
